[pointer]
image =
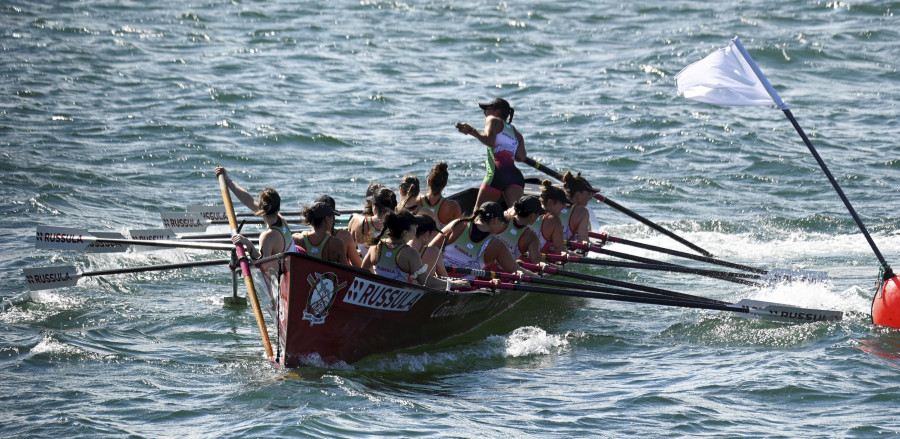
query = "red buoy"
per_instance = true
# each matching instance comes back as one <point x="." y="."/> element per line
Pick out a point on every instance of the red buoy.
<point x="886" y="304"/>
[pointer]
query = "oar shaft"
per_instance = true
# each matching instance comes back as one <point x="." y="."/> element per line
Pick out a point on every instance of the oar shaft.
<point x="636" y="290"/>
<point x="587" y="277"/>
<point x="606" y="237"/>
<point x="531" y="162"/>
<point x="604" y="296"/>
<point x="740" y="278"/>
<point x="146" y="268"/>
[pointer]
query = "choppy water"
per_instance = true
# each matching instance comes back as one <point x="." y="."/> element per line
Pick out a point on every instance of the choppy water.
<point x="112" y="112"/>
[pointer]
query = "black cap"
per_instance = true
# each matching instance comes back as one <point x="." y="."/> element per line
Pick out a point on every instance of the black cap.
<point x="496" y="103"/>
<point x="491" y="210"/>
<point x="321" y="210"/>
<point x="529" y="204"/>
<point x="327" y="200"/>
<point x="426" y="224"/>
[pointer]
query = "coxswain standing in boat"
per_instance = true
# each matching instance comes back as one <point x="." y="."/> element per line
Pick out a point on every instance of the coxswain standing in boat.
<point x="522" y="242"/>
<point x="319" y="242"/>
<point x="364" y="227"/>
<point x="469" y="241"/>
<point x="277" y="238"/>
<point x="445" y="210"/>
<point x="409" y="196"/>
<point x="576" y="217"/>
<point x="425" y="233"/>
<point x="505" y="146"/>
<point x="549" y="227"/>
<point x="350" y="250"/>
<point x="391" y="256"/>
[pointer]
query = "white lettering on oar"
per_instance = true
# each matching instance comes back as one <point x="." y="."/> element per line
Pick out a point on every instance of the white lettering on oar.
<point x="375" y="295"/>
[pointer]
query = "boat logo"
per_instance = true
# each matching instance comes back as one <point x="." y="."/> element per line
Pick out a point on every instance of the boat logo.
<point x="324" y="288"/>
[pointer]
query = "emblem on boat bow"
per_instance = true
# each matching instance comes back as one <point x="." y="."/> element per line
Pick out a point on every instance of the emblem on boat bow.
<point x="321" y="296"/>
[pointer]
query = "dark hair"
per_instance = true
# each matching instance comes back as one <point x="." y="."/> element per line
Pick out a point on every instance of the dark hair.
<point x="269" y="202"/>
<point x="410" y="188"/>
<point x="437" y="179"/>
<point x="395" y="223"/>
<point x="316" y="213"/>
<point x="575" y="183"/>
<point x="426" y="225"/>
<point x="487" y="211"/>
<point x="384" y="199"/>
<point x="373" y="187"/>
<point x="551" y="192"/>
<point x="506" y="110"/>
<point x="527" y="205"/>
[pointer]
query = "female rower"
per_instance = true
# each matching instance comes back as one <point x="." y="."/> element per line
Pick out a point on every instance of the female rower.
<point x="364" y="227"/>
<point x="445" y="210"/>
<point x="319" y="242"/>
<point x="277" y="236"/>
<point x="409" y="196"/>
<point x="390" y="256"/>
<point x="470" y="244"/>
<point x="521" y="241"/>
<point x="425" y="233"/>
<point x="505" y="145"/>
<point x="576" y="218"/>
<point x="350" y="250"/>
<point x="549" y="227"/>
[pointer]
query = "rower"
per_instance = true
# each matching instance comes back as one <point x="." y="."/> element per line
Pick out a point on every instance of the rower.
<point x="522" y="242"/>
<point x="319" y="242"/>
<point x="409" y="196"/>
<point x="363" y="227"/>
<point x="445" y="210"/>
<point x="576" y="217"/>
<point x="470" y="244"/>
<point x="425" y="233"/>
<point x="505" y="146"/>
<point x="277" y="236"/>
<point x="549" y="226"/>
<point x="391" y="256"/>
<point x="350" y="250"/>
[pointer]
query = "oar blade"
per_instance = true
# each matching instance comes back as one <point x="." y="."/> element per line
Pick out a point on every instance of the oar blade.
<point x="184" y="222"/>
<point x="785" y="275"/>
<point x="787" y="313"/>
<point x="151" y="235"/>
<point x="62" y="238"/>
<point x="106" y="247"/>
<point x="47" y="278"/>
<point x="212" y="213"/>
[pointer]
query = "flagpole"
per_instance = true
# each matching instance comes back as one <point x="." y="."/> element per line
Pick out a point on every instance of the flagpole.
<point x="888" y="273"/>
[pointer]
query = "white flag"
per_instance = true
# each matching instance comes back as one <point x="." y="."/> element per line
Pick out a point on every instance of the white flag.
<point x="723" y="78"/>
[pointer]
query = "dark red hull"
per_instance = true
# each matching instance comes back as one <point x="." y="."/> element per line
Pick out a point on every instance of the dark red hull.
<point x="344" y="313"/>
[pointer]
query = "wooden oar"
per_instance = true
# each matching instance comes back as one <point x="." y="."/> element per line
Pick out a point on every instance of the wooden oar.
<point x="245" y="269"/>
<point x="531" y="162"/>
<point x="45" y="278"/>
<point x="741" y="278"/>
<point x="633" y="289"/>
<point x="754" y="308"/>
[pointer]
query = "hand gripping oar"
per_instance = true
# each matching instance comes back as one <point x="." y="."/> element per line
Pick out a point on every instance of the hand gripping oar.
<point x="45" y="278"/>
<point x="529" y="161"/>
<point x="69" y="238"/>
<point x="634" y="289"/>
<point x="740" y="278"/>
<point x="754" y="308"/>
<point x="245" y="269"/>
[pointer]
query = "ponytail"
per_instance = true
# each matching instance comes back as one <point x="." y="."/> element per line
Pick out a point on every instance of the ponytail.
<point x="410" y="188"/>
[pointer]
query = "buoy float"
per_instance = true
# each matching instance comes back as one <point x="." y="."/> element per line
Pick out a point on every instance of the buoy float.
<point x="886" y="304"/>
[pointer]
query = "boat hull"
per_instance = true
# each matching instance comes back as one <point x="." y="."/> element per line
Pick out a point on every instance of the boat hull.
<point x="340" y="313"/>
